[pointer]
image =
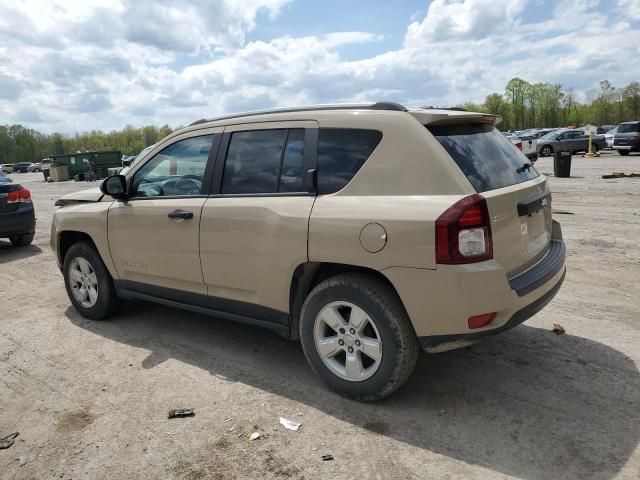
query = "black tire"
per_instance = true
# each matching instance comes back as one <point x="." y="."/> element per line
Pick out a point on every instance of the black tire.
<point x="399" y="342"/>
<point x="108" y="301"/>
<point x="594" y="147"/>
<point x="21" y="240"/>
<point x="546" y="151"/>
<point x="624" y="153"/>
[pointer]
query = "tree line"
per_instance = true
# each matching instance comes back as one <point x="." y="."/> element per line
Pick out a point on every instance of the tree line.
<point x="21" y="144"/>
<point x="525" y="105"/>
<point x="522" y="105"/>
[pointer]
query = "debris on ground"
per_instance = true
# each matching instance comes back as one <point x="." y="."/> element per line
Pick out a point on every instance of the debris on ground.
<point x="621" y="175"/>
<point x="181" y="413"/>
<point x="7" y="441"/>
<point x="23" y="460"/>
<point x="327" y="458"/>
<point x="559" y="329"/>
<point x="229" y="419"/>
<point x="290" y="424"/>
<point x="562" y="212"/>
<point x="255" y="436"/>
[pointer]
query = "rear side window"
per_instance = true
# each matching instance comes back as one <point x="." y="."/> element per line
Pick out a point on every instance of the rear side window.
<point x="629" y="128"/>
<point x="341" y="153"/>
<point x="486" y="157"/>
<point x="264" y="161"/>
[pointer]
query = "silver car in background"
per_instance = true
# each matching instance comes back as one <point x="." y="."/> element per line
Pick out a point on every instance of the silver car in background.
<point x="573" y="140"/>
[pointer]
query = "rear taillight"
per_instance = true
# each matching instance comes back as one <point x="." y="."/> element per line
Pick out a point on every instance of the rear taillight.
<point x="463" y="232"/>
<point x="19" y="196"/>
<point x="519" y="145"/>
<point x="635" y="138"/>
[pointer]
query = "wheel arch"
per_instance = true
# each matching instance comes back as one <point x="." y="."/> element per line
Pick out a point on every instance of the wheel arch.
<point x="67" y="238"/>
<point x="309" y="274"/>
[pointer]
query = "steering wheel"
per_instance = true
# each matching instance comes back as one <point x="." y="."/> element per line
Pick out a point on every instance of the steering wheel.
<point x="149" y="189"/>
<point x="189" y="185"/>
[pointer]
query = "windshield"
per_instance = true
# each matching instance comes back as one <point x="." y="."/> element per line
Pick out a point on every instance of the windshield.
<point x="487" y="158"/>
<point x="629" y="128"/>
<point x="4" y="178"/>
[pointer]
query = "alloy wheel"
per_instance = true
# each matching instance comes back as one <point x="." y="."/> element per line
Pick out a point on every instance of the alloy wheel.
<point x="83" y="282"/>
<point x="348" y="341"/>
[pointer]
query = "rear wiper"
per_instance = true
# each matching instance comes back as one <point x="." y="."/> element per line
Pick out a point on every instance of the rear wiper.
<point x="525" y="166"/>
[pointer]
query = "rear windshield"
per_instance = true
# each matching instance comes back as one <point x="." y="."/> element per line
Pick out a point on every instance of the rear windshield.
<point x="486" y="157"/>
<point x="628" y="128"/>
<point x="4" y="178"/>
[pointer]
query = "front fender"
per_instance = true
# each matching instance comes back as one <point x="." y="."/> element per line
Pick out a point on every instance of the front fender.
<point x="88" y="218"/>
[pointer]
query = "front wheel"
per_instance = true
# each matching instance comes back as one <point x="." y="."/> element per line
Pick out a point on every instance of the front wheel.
<point x="357" y="336"/>
<point x="546" y="151"/>
<point x="88" y="283"/>
<point x="624" y="153"/>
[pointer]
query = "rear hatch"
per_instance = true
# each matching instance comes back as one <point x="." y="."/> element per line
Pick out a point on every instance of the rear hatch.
<point x="628" y="134"/>
<point x="518" y="198"/>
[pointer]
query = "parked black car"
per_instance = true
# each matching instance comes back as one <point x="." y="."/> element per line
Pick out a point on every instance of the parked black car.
<point x="627" y="138"/>
<point x="22" y="167"/>
<point x="17" y="217"/>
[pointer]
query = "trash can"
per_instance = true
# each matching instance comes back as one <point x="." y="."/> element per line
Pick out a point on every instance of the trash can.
<point x="562" y="163"/>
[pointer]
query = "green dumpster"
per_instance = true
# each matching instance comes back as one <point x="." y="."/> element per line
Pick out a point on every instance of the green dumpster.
<point x="83" y="162"/>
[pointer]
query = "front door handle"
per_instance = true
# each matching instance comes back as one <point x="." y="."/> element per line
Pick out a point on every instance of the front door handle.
<point x="180" y="215"/>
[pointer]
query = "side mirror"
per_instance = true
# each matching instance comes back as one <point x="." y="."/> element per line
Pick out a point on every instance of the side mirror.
<point x="116" y="186"/>
<point x="126" y="163"/>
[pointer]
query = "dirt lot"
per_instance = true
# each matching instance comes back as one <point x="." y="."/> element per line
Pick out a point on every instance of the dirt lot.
<point x="90" y="399"/>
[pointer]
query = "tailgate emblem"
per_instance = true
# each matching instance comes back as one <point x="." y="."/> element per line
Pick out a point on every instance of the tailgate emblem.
<point x="544" y="202"/>
<point x="523" y="229"/>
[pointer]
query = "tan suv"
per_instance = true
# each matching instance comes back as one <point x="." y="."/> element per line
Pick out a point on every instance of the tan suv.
<point x="367" y="231"/>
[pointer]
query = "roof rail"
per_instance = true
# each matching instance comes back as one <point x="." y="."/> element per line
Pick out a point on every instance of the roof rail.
<point x="344" y="106"/>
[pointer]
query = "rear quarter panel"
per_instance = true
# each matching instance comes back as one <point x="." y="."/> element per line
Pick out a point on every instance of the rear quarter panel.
<point x="406" y="183"/>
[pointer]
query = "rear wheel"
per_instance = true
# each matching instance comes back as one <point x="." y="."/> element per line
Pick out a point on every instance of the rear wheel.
<point x="624" y="153"/>
<point x="89" y="284"/>
<point x="546" y="151"/>
<point x="594" y="147"/>
<point x="357" y="336"/>
<point x="21" y="240"/>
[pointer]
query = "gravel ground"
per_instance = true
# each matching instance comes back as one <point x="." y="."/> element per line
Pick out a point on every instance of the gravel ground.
<point x="90" y="399"/>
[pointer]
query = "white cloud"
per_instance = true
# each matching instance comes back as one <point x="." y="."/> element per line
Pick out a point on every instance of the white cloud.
<point x="630" y="8"/>
<point x="470" y="20"/>
<point x="80" y="65"/>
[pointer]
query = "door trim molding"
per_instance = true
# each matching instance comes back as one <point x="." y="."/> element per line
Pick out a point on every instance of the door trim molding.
<point x="234" y="310"/>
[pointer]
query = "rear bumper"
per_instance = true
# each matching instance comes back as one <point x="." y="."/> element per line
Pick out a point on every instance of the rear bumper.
<point x="628" y="148"/>
<point x="440" y="302"/>
<point x="449" y="342"/>
<point x="20" y="222"/>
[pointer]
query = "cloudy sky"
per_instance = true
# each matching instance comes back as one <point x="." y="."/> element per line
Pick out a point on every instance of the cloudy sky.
<point x="74" y="65"/>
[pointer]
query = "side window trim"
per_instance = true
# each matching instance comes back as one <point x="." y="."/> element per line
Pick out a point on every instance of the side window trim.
<point x="282" y="154"/>
<point x="309" y="161"/>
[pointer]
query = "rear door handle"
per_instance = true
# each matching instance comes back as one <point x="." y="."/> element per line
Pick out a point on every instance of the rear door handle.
<point x="180" y="215"/>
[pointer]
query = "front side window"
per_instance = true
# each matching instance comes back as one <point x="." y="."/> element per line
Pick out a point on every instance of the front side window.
<point x="264" y="161"/>
<point x="341" y="153"/>
<point x="175" y="171"/>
